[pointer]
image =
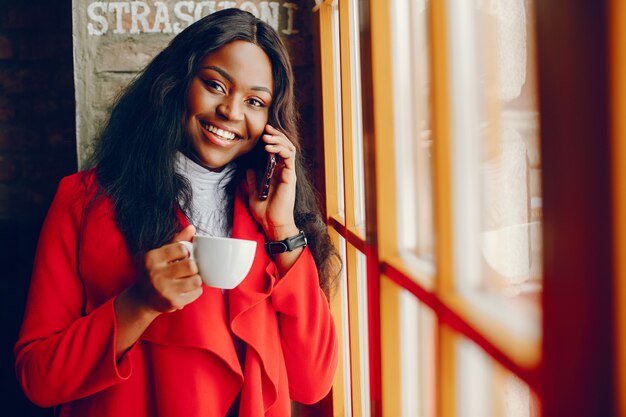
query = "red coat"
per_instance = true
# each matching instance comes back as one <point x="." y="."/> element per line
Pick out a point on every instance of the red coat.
<point x="185" y="364"/>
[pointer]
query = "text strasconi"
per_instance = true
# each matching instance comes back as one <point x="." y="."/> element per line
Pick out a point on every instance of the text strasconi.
<point x="134" y="17"/>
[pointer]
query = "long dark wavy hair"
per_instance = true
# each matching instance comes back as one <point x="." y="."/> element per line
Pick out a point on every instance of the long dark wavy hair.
<point x="135" y="153"/>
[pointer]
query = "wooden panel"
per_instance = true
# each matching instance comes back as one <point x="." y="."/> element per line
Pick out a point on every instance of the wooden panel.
<point x="446" y="373"/>
<point x="355" y="345"/>
<point x="618" y="151"/>
<point x="442" y="181"/>
<point x="371" y="195"/>
<point x="498" y="388"/>
<point x="390" y="348"/>
<point x="441" y="147"/>
<point x="336" y="306"/>
<point x="384" y="134"/>
<point x="346" y="110"/>
<point x="329" y="89"/>
<point x="578" y="270"/>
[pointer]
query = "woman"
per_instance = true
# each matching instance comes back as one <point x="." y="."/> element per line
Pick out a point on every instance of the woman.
<point x="117" y="321"/>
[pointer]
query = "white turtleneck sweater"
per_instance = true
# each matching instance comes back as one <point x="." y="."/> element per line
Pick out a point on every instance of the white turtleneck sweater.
<point x="209" y="200"/>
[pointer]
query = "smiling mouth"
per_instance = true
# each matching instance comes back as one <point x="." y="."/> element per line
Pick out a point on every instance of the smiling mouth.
<point x="220" y="133"/>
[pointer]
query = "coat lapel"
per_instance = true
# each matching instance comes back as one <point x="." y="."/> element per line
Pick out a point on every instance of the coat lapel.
<point x="202" y="324"/>
<point x="252" y="316"/>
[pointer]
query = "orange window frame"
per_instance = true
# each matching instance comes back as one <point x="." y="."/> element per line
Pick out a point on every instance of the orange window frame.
<point x="617" y="30"/>
<point x="387" y="273"/>
<point x="535" y="361"/>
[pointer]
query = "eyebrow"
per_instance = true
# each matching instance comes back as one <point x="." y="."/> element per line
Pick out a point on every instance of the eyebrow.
<point x="230" y="78"/>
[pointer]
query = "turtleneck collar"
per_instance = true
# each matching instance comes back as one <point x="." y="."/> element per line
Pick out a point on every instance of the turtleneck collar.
<point x="209" y="198"/>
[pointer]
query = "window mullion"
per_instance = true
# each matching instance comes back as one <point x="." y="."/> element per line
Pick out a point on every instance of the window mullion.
<point x="346" y="111"/>
<point x="329" y="91"/>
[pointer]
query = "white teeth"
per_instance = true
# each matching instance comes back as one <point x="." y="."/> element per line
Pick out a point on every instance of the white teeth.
<point x="222" y="133"/>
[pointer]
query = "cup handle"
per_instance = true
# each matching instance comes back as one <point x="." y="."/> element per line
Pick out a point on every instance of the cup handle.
<point x="189" y="246"/>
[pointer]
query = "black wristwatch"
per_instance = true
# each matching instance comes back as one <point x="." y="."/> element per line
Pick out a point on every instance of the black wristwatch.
<point x="286" y="245"/>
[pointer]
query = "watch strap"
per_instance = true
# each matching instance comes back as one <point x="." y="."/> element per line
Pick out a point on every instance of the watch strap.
<point x="286" y="245"/>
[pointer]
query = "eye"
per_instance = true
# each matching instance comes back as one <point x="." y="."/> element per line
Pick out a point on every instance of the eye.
<point x="255" y="102"/>
<point x="214" y="85"/>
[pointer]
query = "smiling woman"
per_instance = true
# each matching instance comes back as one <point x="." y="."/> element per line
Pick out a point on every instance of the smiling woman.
<point x="228" y="103"/>
<point x="118" y="321"/>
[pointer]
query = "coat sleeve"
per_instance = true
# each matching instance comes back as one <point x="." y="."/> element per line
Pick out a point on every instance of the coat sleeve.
<point x="61" y="353"/>
<point x="308" y="335"/>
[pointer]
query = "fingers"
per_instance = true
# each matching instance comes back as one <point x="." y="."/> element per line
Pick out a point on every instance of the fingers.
<point x="181" y="269"/>
<point x="186" y="234"/>
<point x="172" y="279"/>
<point x="278" y="143"/>
<point x="167" y="275"/>
<point x="187" y="284"/>
<point x="186" y="297"/>
<point x="174" y="285"/>
<point x="186" y="292"/>
<point x="174" y="288"/>
<point x="164" y="255"/>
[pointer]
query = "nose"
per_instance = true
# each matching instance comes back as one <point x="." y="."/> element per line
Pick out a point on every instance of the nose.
<point x="230" y="110"/>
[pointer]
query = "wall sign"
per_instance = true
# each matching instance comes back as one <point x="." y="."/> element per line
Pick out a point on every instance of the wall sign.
<point x="135" y="17"/>
<point x="115" y="40"/>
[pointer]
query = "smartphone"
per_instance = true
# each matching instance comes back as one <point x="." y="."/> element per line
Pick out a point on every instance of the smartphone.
<point x="264" y="189"/>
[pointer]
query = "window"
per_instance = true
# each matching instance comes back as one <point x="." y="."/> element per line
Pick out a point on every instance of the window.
<point x="434" y="230"/>
<point x="413" y="132"/>
<point x="496" y="196"/>
<point x="443" y="180"/>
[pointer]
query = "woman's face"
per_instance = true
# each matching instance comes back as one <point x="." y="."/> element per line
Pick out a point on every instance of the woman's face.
<point x="228" y="103"/>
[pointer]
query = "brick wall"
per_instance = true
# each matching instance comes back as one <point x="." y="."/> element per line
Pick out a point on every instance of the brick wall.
<point x="37" y="141"/>
<point x="37" y="148"/>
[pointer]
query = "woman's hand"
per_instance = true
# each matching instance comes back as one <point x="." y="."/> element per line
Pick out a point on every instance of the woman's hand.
<point x="171" y="279"/>
<point x="275" y="214"/>
<point x="170" y="282"/>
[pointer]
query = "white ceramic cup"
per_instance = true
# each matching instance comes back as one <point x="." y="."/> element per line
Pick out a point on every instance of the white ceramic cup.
<point x="222" y="262"/>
